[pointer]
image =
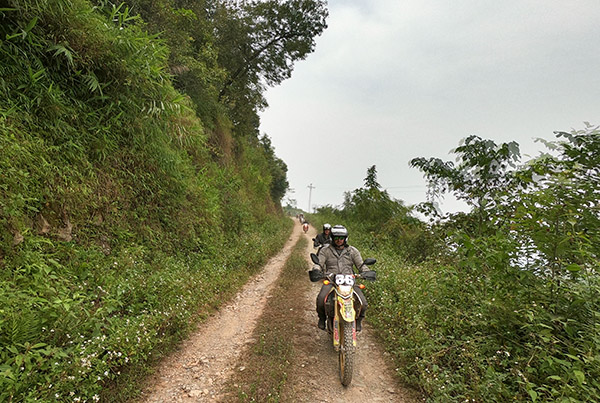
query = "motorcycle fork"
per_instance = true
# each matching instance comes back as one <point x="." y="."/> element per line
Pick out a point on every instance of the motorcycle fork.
<point x="344" y="311"/>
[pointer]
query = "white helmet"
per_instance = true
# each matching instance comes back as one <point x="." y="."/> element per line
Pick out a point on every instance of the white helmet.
<point x="339" y="230"/>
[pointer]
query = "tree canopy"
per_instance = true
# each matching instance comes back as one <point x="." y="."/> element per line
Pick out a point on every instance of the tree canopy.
<point x="223" y="54"/>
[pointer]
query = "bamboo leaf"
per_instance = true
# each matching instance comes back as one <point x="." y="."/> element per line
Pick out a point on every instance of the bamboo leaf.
<point x="580" y="376"/>
<point x="31" y="24"/>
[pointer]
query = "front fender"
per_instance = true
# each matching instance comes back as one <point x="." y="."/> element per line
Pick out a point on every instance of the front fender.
<point x="346" y="309"/>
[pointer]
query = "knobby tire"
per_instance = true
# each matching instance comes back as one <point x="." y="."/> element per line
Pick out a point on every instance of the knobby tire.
<point x="346" y="353"/>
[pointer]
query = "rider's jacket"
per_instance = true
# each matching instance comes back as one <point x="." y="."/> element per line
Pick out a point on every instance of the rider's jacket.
<point x="337" y="261"/>
<point x="322" y="239"/>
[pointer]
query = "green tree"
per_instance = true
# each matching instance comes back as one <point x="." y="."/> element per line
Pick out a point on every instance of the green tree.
<point x="187" y="28"/>
<point x="558" y="216"/>
<point x="371" y="205"/>
<point x="258" y="44"/>
<point x="261" y="40"/>
<point x="278" y="170"/>
<point x="482" y="177"/>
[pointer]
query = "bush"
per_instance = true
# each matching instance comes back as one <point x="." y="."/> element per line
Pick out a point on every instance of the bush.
<point x="70" y="330"/>
<point x="508" y="309"/>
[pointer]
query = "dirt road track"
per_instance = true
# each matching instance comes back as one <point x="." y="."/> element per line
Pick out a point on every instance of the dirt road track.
<point x="199" y="369"/>
<point x="202" y="364"/>
<point x="315" y="376"/>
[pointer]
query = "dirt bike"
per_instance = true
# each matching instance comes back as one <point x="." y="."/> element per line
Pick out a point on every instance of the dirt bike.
<point x="341" y="308"/>
<point x="305" y="227"/>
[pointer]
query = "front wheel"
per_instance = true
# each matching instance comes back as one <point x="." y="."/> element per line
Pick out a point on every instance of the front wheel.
<point x="346" y="352"/>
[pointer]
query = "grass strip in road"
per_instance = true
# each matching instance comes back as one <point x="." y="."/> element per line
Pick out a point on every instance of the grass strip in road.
<point x="263" y="368"/>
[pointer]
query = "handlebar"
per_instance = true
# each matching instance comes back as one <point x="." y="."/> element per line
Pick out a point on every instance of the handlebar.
<point x="316" y="275"/>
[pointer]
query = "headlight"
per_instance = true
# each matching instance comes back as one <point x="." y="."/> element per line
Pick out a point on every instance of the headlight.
<point x="345" y="290"/>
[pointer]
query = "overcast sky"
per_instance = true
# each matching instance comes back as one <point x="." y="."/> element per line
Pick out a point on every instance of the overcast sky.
<point x="392" y="80"/>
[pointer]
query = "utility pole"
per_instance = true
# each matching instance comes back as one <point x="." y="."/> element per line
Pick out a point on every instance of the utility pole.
<point x="311" y="187"/>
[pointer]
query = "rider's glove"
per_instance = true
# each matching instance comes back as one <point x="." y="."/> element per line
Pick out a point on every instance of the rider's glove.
<point x="315" y="274"/>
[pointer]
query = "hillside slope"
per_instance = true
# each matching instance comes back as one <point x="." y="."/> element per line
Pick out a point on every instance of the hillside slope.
<point x="122" y="214"/>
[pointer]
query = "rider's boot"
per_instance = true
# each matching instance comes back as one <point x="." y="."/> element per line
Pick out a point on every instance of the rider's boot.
<point x="321" y="323"/>
<point x="359" y="323"/>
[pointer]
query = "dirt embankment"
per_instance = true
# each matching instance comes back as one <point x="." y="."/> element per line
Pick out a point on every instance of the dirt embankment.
<point x="213" y="364"/>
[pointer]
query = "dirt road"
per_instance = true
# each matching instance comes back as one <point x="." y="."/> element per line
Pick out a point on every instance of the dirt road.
<point x="315" y="377"/>
<point x="200" y="369"/>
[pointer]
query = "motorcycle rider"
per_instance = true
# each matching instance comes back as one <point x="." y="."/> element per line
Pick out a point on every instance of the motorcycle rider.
<point x="339" y="257"/>
<point x="323" y="238"/>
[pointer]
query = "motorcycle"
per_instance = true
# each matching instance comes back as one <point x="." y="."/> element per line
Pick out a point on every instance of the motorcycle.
<point x="341" y="308"/>
<point x="305" y="227"/>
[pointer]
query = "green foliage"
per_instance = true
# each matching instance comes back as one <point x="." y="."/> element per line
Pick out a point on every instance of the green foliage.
<point x="186" y="27"/>
<point x="515" y="315"/>
<point x="481" y="178"/>
<point x="278" y="168"/>
<point x="559" y="210"/>
<point x="388" y="221"/>
<point x="370" y="204"/>
<point x="223" y="54"/>
<point x="259" y="41"/>
<point x="486" y="331"/>
<point x="119" y="220"/>
<point x="507" y="308"/>
<point x="78" y="326"/>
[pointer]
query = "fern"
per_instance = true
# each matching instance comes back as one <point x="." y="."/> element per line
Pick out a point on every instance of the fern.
<point x="91" y="81"/>
<point x="62" y="50"/>
<point x="21" y="328"/>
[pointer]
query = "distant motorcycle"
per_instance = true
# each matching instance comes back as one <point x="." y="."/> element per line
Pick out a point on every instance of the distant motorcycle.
<point x="341" y="307"/>
<point x="305" y="227"/>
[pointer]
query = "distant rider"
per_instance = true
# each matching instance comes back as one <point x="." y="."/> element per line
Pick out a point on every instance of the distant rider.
<point x="339" y="257"/>
<point x="323" y="238"/>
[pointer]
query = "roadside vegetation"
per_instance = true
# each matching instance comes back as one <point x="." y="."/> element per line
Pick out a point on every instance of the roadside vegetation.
<point x="499" y="303"/>
<point x="136" y="193"/>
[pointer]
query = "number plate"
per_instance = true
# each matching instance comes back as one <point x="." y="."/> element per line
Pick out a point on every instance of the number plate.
<point x="344" y="279"/>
